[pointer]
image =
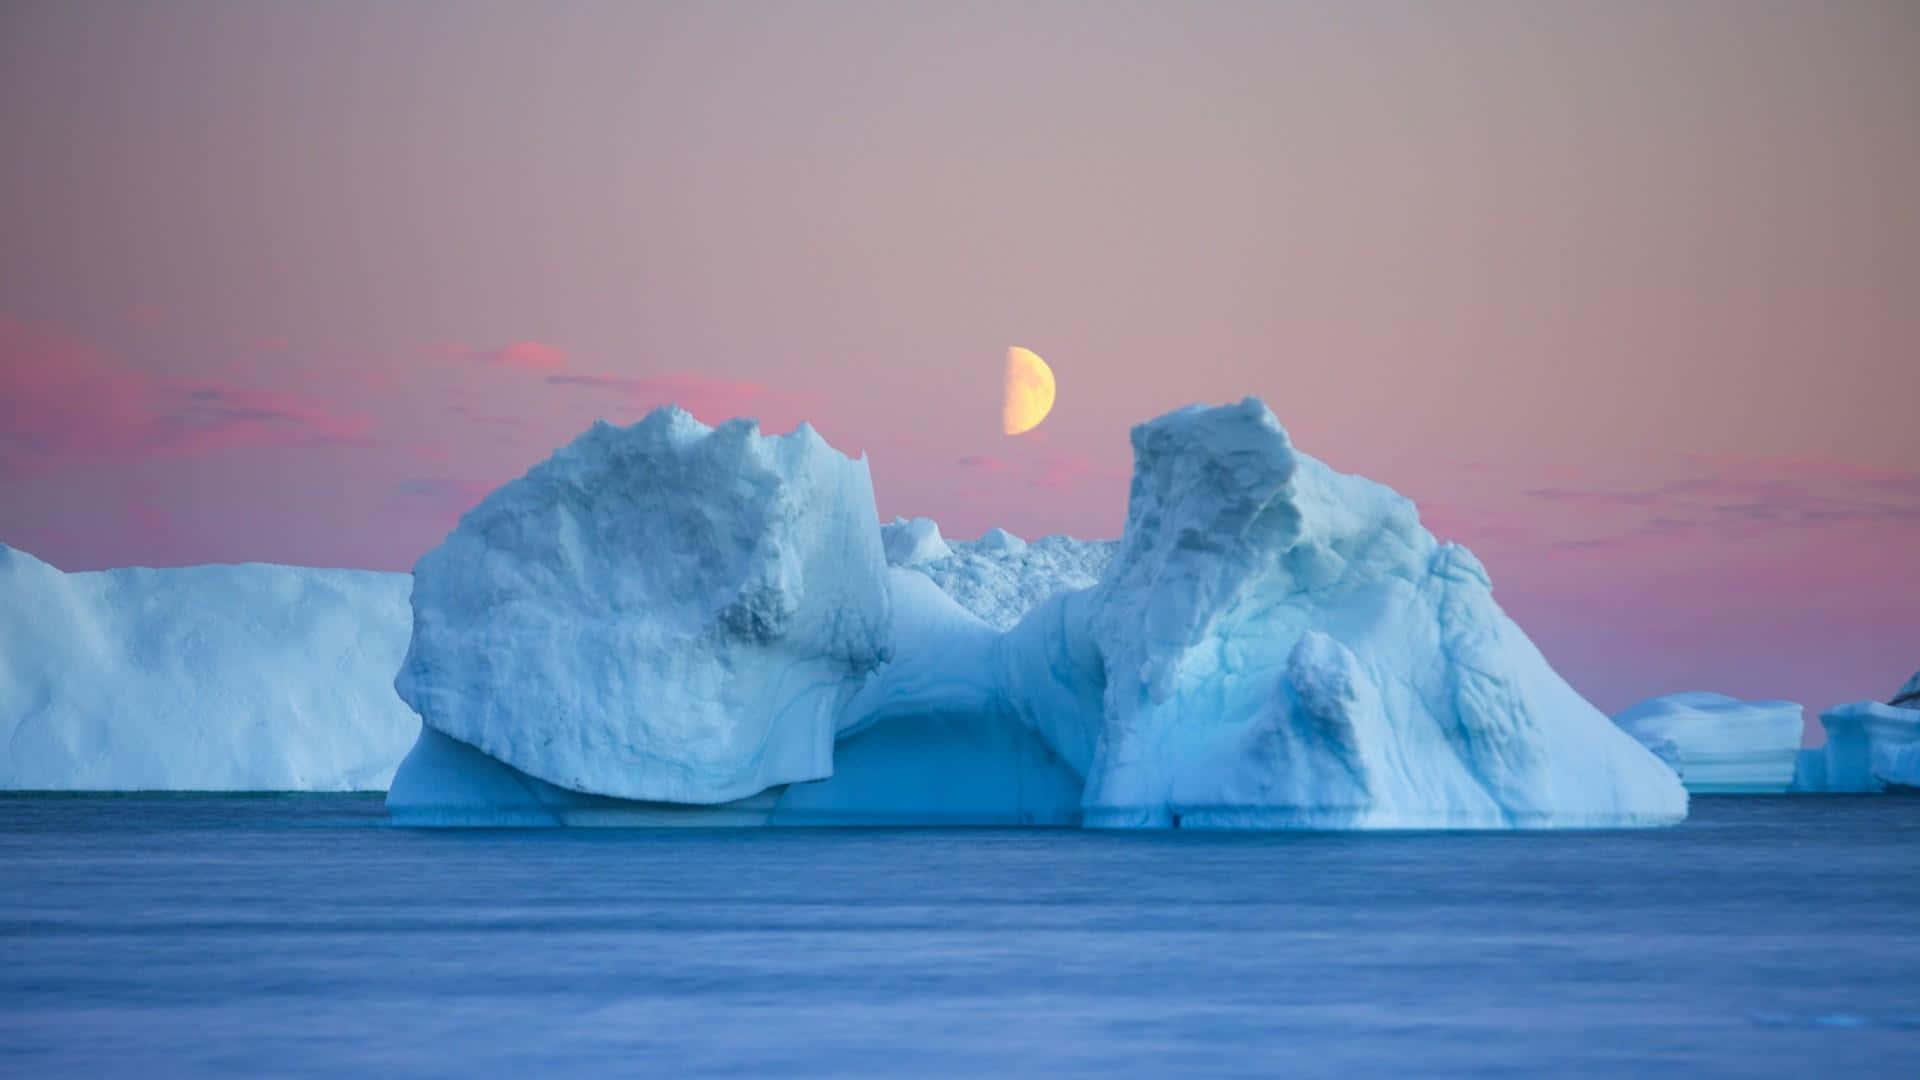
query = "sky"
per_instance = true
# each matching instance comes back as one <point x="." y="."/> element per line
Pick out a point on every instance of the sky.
<point x="1625" y="295"/>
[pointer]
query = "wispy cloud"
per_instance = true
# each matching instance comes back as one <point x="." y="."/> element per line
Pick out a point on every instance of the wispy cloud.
<point x="1750" y="498"/>
<point x="526" y="356"/>
<point x="63" y="398"/>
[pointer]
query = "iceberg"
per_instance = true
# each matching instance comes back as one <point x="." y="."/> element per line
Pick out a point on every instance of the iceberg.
<point x="1719" y="744"/>
<point x="1869" y="745"/>
<point x="202" y="678"/>
<point x="1280" y="645"/>
<point x="665" y="612"/>
<point x="669" y="623"/>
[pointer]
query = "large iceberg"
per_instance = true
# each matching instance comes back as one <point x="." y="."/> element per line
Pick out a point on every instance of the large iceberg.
<point x="1278" y="644"/>
<point x="1270" y="644"/>
<point x="201" y="678"/>
<point x="1719" y="744"/>
<point x="664" y="612"/>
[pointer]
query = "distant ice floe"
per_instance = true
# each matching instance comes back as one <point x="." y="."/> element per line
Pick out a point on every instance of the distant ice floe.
<point x="1719" y="744"/>
<point x="1870" y="746"/>
<point x="672" y="623"/>
<point x="201" y="678"/>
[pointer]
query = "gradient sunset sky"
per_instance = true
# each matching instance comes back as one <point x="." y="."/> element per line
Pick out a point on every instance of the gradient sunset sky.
<point x="1626" y="295"/>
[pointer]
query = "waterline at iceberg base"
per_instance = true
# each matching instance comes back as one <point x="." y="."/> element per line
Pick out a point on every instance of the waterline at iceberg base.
<point x="670" y="623"/>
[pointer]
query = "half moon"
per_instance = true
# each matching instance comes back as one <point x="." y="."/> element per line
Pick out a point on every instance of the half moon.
<point x="1029" y="392"/>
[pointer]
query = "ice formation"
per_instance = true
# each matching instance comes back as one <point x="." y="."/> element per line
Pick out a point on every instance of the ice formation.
<point x="1283" y="645"/>
<point x="1001" y="577"/>
<point x="913" y="542"/>
<point x="202" y="678"/>
<point x="1868" y="745"/>
<point x="663" y="612"/>
<point x="1720" y="744"/>
<point x="1270" y="644"/>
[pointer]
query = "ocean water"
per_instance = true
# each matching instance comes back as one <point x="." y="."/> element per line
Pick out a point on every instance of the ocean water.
<point x="247" y="936"/>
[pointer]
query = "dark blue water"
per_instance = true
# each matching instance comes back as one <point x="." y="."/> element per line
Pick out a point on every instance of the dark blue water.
<point x="301" y="936"/>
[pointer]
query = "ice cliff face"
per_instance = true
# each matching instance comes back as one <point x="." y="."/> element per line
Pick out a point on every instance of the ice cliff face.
<point x="1720" y="744"/>
<point x="663" y="612"/>
<point x="202" y="678"/>
<point x="1271" y="644"/>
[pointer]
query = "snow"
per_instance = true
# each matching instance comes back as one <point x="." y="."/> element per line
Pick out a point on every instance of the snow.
<point x="1720" y="744"/>
<point x="663" y="612"/>
<point x="1867" y="744"/>
<point x="201" y="678"/>
<point x="1271" y="644"/>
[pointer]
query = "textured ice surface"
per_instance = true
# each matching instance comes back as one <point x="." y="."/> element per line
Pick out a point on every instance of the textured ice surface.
<point x="1720" y="744"/>
<point x="1000" y="577"/>
<point x="663" y="612"/>
<point x="202" y="678"/>
<point x="1271" y="644"/>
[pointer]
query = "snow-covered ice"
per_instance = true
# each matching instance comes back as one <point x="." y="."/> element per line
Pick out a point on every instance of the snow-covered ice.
<point x="671" y="614"/>
<point x="1720" y="744"/>
<point x="201" y="678"/>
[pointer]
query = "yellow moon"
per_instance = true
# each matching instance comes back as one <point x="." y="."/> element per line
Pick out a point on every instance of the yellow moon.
<point x="1029" y="393"/>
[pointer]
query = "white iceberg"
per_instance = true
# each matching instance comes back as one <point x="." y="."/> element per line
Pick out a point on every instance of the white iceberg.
<point x="201" y="678"/>
<point x="1279" y="644"/>
<point x="663" y="612"/>
<point x="1271" y="644"/>
<point x="1719" y="744"/>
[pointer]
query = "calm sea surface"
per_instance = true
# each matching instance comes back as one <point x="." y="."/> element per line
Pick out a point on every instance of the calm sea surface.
<point x="158" y="936"/>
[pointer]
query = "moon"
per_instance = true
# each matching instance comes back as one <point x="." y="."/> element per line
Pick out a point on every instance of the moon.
<point x="1029" y="392"/>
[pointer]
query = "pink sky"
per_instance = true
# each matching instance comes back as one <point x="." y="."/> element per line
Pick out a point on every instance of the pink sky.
<point x="1626" y="295"/>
